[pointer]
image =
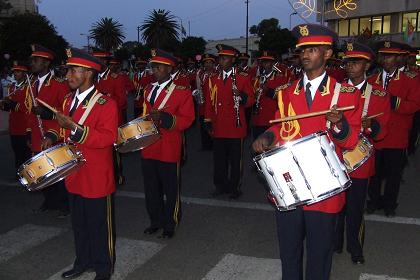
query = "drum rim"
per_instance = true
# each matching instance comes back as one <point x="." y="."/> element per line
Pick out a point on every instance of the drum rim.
<point x="290" y="144"/>
<point x="134" y="138"/>
<point x="38" y="155"/>
<point x="135" y="121"/>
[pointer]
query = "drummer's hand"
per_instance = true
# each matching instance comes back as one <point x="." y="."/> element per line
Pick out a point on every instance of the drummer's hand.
<point x="65" y="121"/>
<point x="335" y="116"/>
<point x="236" y="92"/>
<point x="262" y="143"/>
<point x="366" y="123"/>
<point x="37" y="110"/>
<point x="46" y="143"/>
<point x="155" y="115"/>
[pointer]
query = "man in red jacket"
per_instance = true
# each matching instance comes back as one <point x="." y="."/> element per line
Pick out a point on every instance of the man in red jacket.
<point x="92" y="186"/>
<point x="19" y="113"/>
<point x="229" y="92"/>
<point x="358" y="58"/>
<point x="172" y="109"/>
<point x="313" y="92"/>
<point x="391" y="151"/>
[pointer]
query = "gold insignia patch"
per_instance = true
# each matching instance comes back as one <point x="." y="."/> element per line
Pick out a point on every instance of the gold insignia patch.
<point x="33" y="47"/>
<point x="411" y="74"/>
<point x="304" y="31"/>
<point x="350" y="47"/>
<point x="387" y="44"/>
<point x="68" y="52"/>
<point x="15" y="63"/>
<point x="219" y="47"/>
<point x="243" y="74"/>
<point x="347" y="89"/>
<point x="180" y="87"/>
<point x="378" y="92"/>
<point x="101" y="101"/>
<point x="324" y="91"/>
<point x="265" y="53"/>
<point x="153" y="52"/>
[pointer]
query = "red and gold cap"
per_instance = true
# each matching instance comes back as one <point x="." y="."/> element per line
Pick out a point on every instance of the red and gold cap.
<point x="114" y="61"/>
<point x="313" y="34"/>
<point x="357" y="50"/>
<point x="79" y="58"/>
<point x="226" y="50"/>
<point x="41" y="51"/>
<point x="267" y="55"/>
<point x="390" y="47"/>
<point x="162" y="57"/>
<point x="208" y="56"/>
<point x="243" y="56"/>
<point x="102" y="54"/>
<point x="19" y="66"/>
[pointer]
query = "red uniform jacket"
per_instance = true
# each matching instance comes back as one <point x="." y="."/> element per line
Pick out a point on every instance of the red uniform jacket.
<point x="268" y="102"/>
<point x="220" y="108"/>
<point x="19" y="116"/>
<point x="405" y="101"/>
<point x="182" y="79"/>
<point x="292" y="101"/>
<point x="181" y="106"/>
<point x="141" y="81"/>
<point x="379" y="103"/>
<point x="113" y="85"/>
<point x="52" y="91"/>
<point x="96" y="177"/>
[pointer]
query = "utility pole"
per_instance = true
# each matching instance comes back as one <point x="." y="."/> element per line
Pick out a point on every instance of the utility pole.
<point x="138" y="34"/>
<point x="247" y="28"/>
<point x="322" y="11"/>
<point x="189" y="29"/>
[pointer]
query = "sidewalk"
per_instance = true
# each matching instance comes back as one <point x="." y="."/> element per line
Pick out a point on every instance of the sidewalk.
<point x="4" y="123"/>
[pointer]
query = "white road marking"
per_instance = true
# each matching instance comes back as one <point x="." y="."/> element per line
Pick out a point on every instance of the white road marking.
<point x="235" y="267"/>
<point x="17" y="240"/>
<point x="131" y="254"/>
<point x="266" y="207"/>
<point x="365" y="276"/>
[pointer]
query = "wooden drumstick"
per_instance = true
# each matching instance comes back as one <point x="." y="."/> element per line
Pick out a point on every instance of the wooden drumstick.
<point x="46" y="105"/>
<point x="308" y="115"/>
<point x="374" y="116"/>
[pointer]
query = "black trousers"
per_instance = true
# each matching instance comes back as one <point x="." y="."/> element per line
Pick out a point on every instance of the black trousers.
<point x="388" y="166"/>
<point x="318" y="229"/>
<point x="227" y="159"/>
<point x="258" y="130"/>
<point x="56" y="197"/>
<point x="162" y="179"/>
<point x="351" y="218"/>
<point x="94" y="233"/>
<point x="20" y="149"/>
<point x="206" y="139"/>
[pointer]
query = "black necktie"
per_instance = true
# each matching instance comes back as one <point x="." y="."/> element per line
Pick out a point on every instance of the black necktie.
<point x="308" y="95"/>
<point x="387" y="78"/>
<point x="154" y="93"/>
<point x="225" y="78"/>
<point x="76" y="102"/>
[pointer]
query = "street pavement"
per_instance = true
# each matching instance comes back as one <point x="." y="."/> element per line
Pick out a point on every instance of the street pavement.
<point x="217" y="239"/>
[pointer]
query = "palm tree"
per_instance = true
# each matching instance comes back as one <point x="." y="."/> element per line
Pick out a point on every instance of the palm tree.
<point x="107" y="34"/>
<point x="160" y="29"/>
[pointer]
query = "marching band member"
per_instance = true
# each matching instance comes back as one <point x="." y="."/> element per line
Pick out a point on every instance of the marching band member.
<point x="229" y="92"/>
<point x="313" y="92"/>
<point x="358" y="59"/>
<point x="92" y="186"/>
<point x="391" y="151"/>
<point x="141" y="79"/>
<point x="171" y="107"/>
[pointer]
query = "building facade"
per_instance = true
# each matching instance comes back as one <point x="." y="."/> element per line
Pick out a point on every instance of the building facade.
<point x="238" y="43"/>
<point x="20" y="7"/>
<point x="397" y="20"/>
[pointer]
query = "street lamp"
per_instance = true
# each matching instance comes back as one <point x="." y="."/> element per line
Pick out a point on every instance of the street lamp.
<point x="182" y="26"/>
<point x="290" y="19"/>
<point x="88" y="40"/>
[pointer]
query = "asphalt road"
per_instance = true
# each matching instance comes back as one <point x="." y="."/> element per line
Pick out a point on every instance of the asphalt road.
<point x="217" y="238"/>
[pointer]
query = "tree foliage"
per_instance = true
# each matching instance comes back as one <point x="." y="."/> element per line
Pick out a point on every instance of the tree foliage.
<point x="107" y="33"/>
<point x="22" y="30"/>
<point x="192" y="46"/>
<point x="160" y="30"/>
<point x="130" y="48"/>
<point x="272" y="36"/>
<point x="5" y="5"/>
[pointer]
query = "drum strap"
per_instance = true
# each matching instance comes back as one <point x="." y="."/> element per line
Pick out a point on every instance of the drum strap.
<point x="334" y="100"/>
<point x="89" y="108"/>
<point x="367" y="95"/>
<point x="168" y="94"/>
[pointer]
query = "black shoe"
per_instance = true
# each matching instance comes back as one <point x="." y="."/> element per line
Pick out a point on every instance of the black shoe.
<point x="370" y="209"/>
<point x="151" y="230"/>
<point x="216" y="193"/>
<point x="358" y="260"/>
<point x="235" y="195"/>
<point x="63" y="214"/>
<point x="390" y="213"/>
<point x="43" y="208"/>
<point x="167" y="234"/>
<point x="338" y="250"/>
<point x="102" y="277"/>
<point x="73" y="273"/>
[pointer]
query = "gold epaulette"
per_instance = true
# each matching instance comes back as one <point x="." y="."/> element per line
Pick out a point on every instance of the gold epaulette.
<point x="101" y="101"/>
<point x="348" y="89"/>
<point x="245" y="74"/>
<point x="411" y="74"/>
<point x="114" y="75"/>
<point x="58" y="79"/>
<point x="379" y="92"/>
<point x="282" y="87"/>
<point x="181" y="87"/>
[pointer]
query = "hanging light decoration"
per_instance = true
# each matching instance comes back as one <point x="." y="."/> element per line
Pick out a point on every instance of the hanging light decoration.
<point x="307" y="8"/>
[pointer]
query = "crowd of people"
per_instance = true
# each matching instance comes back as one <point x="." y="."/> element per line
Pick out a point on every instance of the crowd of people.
<point x="233" y="99"/>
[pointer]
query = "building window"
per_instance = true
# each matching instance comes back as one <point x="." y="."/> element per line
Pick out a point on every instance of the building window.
<point x="354" y="27"/>
<point x="386" y="25"/>
<point x="365" y="26"/>
<point x="409" y="19"/>
<point x="343" y="28"/>
<point x="377" y="25"/>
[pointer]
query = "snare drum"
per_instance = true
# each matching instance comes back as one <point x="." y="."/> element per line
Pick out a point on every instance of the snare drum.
<point x="50" y="166"/>
<point x="303" y="171"/>
<point x="136" y="134"/>
<point x="353" y="159"/>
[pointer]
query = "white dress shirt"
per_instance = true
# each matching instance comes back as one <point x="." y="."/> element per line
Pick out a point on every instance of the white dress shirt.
<point x="80" y="96"/>
<point x="227" y="74"/>
<point x="384" y="76"/>
<point x="161" y="87"/>
<point x="359" y="86"/>
<point x="41" y="80"/>
<point x="314" y="83"/>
